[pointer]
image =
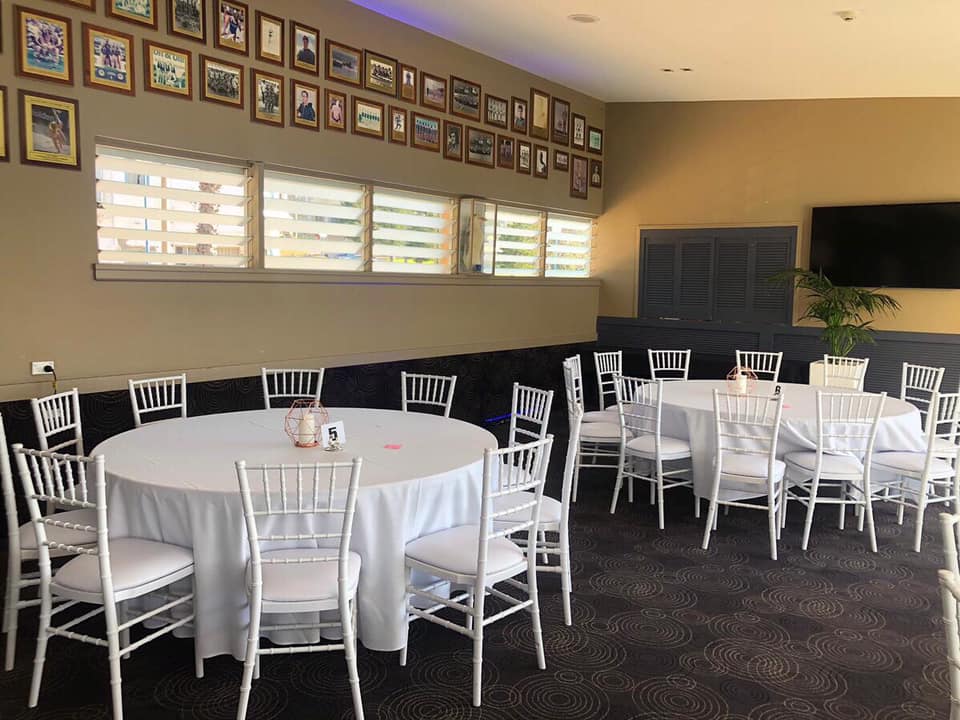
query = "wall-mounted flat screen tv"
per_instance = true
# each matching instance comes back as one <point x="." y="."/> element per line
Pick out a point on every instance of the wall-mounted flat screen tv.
<point x="907" y="246"/>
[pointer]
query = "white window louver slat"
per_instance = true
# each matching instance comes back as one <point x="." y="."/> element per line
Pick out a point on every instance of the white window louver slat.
<point x="569" y="244"/>
<point x="412" y="232"/>
<point x="312" y="223"/>
<point x="517" y="250"/>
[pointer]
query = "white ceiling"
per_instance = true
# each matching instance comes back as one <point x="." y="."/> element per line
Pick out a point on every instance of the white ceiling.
<point x="738" y="49"/>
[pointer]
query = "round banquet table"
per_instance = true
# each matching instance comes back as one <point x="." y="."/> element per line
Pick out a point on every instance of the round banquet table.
<point x="175" y="481"/>
<point x="688" y="414"/>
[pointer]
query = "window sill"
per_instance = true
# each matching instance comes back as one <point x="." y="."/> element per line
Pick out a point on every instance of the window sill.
<point x="132" y="273"/>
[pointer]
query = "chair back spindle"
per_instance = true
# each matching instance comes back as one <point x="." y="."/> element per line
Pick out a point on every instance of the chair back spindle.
<point x="765" y="365"/>
<point x="57" y="419"/>
<point x="917" y="385"/>
<point x="287" y="385"/>
<point x="530" y="414"/>
<point x="669" y="364"/>
<point x="844" y="372"/>
<point x="432" y="391"/>
<point x="607" y="364"/>
<point x="158" y="396"/>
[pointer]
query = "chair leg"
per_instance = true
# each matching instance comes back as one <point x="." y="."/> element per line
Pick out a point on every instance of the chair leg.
<point x="470" y="605"/>
<point x="773" y="524"/>
<point x="659" y="494"/>
<point x="921" y="508"/>
<point x="250" y="658"/>
<point x="40" y="655"/>
<point x="900" y="507"/>
<point x="696" y="506"/>
<point x="125" y="633"/>
<point x="542" y="540"/>
<point x="406" y="616"/>
<point x="616" y="488"/>
<point x="576" y="476"/>
<point x="197" y="655"/>
<point x="565" y="580"/>
<point x="10" y="611"/>
<point x="350" y="650"/>
<point x="811" y="506"/>
<point x="630" y="489"/>
<point x="711" y="519"/>
<point x="535" y="616"/>
<point x="869" y="513"/>
<point x="844" y="493"/>
<point x="113" y="656"/>
<point x="478" y="601"/>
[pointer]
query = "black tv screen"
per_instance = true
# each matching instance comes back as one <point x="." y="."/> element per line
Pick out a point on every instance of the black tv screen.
<point x="908" y="246"/>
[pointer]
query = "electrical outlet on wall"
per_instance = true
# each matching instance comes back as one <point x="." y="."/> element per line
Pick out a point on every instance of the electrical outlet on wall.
<point x="42" y="367"/>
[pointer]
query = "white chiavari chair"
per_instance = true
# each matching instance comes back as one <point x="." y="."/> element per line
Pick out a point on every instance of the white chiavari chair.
<point x="289" y="385"/>
<point x="432" y="391"/>
<point x="299" y="520"/>
<point x="57" y="419"/>
<point x="746" y="432"/>
<point x="607" y="365"/>
<point x="669" y="364"/>
<point x="844" y="372"/>
<point x="846" y="433"/>
<point x="158" y="395"/>
<point x="765" y="365"/>
<point x="640" y="403"/>
<point x="950" y="597"/>
<point x="114" y="571"/>
<point x="918" y="383"/>
<point x="481" y="557"/>
<point x="529" y="414"/>
<point x="589" y="416"/>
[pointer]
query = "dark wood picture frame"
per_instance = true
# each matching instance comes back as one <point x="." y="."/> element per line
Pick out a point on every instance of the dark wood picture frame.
<point x="392" y="134"/>
<point x="451" y="92"/>
<point x="575" y="120"/>
<point x="4" y="126"/>
<point x="440" y="105"/>
<point x="329" y="47"/>
<point x="148" y="83"/>
<point x="559" y="109"/>
<point x="456" y="156"/>
<point x="258" y="44"/>
<point x="87" y="31"/>
<point x="524" y="145"/>
<point x="112" y="12"/>
<point x="21" y="68"/>
<point x="402" y="92"/>
<point x="172" y="28"/>
<point x="561" y="165"/>
<point x="511" y="162"/>
<point x="295" y="85"/>
<point x="295" y="62"/>
<point x="255" y="75"/>
<point x="205" y="60"/>
<point x="355" y="114"/>
<point x="535" y="167"/>
<point x="598" y="165"/>
<point x="371" y="56"/>
<point x="515" y="120"/>
<point x="475" y="131"/>
<point x="414" y="142"/>
<point x="575" y="161"/>
<point x="85" y="4"/>
<point x="590" y="131"/>
<point x="26" y="126"/>
<point x="487" y="99"/>
<point x="328" y="95"/>
<point x="240" y="48"/>
<point x="537" y="131"/>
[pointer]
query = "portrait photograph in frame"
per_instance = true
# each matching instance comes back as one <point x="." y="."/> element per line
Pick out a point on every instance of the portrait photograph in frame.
<point x="541" y="161"/>
<point x="496" y="111"/>
<point x="304" y="48"/>
<point x="561" y="160"/>
<point x="270" y="39"/>
<point x="232" y="29"/>
<point x="334" y="110"/>
<point x="221" y="81"/>
<point x="433" y="91"/>
<point x="596" y="173"/>
<point x="524" y="157"/>
<point x="560" y="121"/>
<point x="595" y="140"/>
<point x="578" y="132"/>
<point x="465" y="99"/>
<point x="518" y="115"/>
<point x="44" y="45"/>
<point x="578" y="177"/>
<point x="506" y="152"/>
<point x="4" y="126"/>
<point x="424" y="132"/>
<point x="453" y="140"/>
<point x="266" y="97"/>
<point x="167" y="70"/>
<point x="368" y="118"/>
<point x="380" y="73"/>
<point x="49" y="130"/>
<point x="108" y="59"/>
<point x="344" y="63"/>
<point x="480" y="147"/>
<point x="539" y="118"/>
<point x="398" y="125"/>
<point x="408" y="83"/>
<point x="305" y="104"/>
<point x="139" y="12"/>
<point x="187" y="18"/>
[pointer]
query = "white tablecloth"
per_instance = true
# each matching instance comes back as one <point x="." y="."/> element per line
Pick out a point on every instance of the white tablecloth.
<point x="688" y="414"/>
<point x="175" y="481"/>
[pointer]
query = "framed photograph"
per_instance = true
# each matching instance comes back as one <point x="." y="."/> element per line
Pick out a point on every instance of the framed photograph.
<point x="518" y="115"/>
<point x="480" y="147"/>
<point x="464" y="99"/>
<point x="232" y="18"/>
<point x="408" y="83"/>
<point x="187" y="18"/>
<point x="506" y="152"/>
<point x="433" y="92"/>
<point x="561" y="160"/>
<point x="44" y="45"/>
<point x="380" y="73"/>
<point x="343" y="63"/>
<point x="335" y="117"/>
<point x="578" y="177"/>
<point x="426" y="132"/>
<point x="305" y="99"/>
<point x="496" y="111"/>
<point x="266" y="96"/>
<point x="141" y="12"/>
<point x="453" y="140"/>
<point x="595" y="140"/>
<point x="539" y="114"/>
<point x="167" y="70"/>
<point x="222" y="81"/>
<point x="541" y="161"/>
<point x="368" y="118"/>
<point x="4" y="133"/>
<point x="578" y="132"/>
<point x="49" y="128"/>
<point x="304" y="48"/>
<point x="85" y="4"/>
<point x="108" y="59"/>
<point x="596" y="173"/>
<point x="398" y="125"/>
<point x="560" y="114"/>
<point x="269" y="38"/>
<point x="524" y="157"/>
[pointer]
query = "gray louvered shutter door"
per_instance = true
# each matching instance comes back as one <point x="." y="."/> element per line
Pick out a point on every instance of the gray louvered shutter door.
<point x="659" y="274"/>
<point x="770" y="302"/>
<point x="733" y="279"/>
<point x="695" y="298"/>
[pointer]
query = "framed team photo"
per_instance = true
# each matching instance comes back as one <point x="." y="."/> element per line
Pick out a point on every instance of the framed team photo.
<point x="269" y="38"/>
<point x="453" y="140"/>
<point x="480" y="147"/>
<point x="167" y="70"/>
<point x="232" y="19"/>
<point x="335" y="117"/>
<point x="561" y="160"/>
<point x="426" y="132"/>
<point x="539" y="114"/>
<point x="141" y="12"/>
<point x="368" y="118"/>
<point x="596" y="173"/>
<point x="496" y="111"/>
<point x="44" y="46"/>
<point x="506" y="152"/>
<point x="4" y="133"/>
<point x="49" y="128"/>
<point x="107" y="59"/>
<point x="221" y="81"/>
<point x="578" y="132"/>
<point x="398" y="125"/>
<point x="408" y="83"/>
<point x="595" y="140"/>
<point x="464" y="99"/>
<point x="187" y="18"/>
<point x="433" y="91"/>
<point x="524" y="156"/>
<point x="306" y="100"/>
<point x="344" y="63"/>
<point x="266" y="98"/>
<point x="578" y="177"/>
<point x="518" y="115"/>
<point x="541" y="161"/>
<point x="304" y="48"/>
<point x="380" y="73"/>
<point x="560" y="114"/>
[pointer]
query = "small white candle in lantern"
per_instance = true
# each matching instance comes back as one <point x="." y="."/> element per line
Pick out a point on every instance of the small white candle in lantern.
<point x="307" y="429"/>
<point x="741" y="383"/>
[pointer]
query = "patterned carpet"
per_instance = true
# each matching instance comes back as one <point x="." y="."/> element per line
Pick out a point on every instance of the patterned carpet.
<point x="662" y="631"/>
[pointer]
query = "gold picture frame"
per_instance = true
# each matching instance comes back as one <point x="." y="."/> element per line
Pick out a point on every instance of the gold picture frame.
<point x="232" y="30"/>
<point x="108" y="59"/>
<point x="539" y="117"/>
<point x="270" y="38"/>
<point x="167" y="70"/>
<point x="188" y="18"/>
<point x="222" y="82"/>
<point x="304" y="104"/>
<point x="126" y="10"/>
<point x="304" y="48"/>
<point x="266" y="98"/>
<point x="54" y="62"/>
<point x="49" y="130"/>
<point x="4" y="128"/>
<point x="369" y="118"/>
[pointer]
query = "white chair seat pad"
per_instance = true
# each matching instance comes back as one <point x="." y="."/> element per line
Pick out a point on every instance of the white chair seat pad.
<point x="549" y="510"/>
<point x="744" y="467"/>
<point x="133" y="562"/>
<point x="298" y="582"/>
<point x="832" y="464"/>
<point x="908" y="462"/>
<point x="456" y="549"/>
<point x="67" y="536"/>
<point x="670" y="448"/>
<point x="600" y="431"/>
<point x="602" y="416"/>
<point x="942" y="446"/>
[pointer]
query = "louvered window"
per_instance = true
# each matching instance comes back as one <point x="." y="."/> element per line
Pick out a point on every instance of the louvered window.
<point x="569" y="242"/>
<point x="157" y="210"/>
<point x="412" y="232"/>
<point x="311" y="223"/>
<point x="518" y="241"/>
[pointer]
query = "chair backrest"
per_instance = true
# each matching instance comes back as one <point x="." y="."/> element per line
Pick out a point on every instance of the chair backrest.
<point x="765" y="365"/>
<point x="844" y="372"/>
<point x="158" y="395"/>
<point x="639" y="402"/>
<point x="429" y="390"/>
<point x="944" y="424"/>
<point x="57" y="418"/>
<point x="9" y="499"/>
<point x="290" y="385"/>
<point x="575" y="389"/>
<point x="529" y="414"/>
<point x="950" y="597"/>
<point x="917" y="385"/>
<point x="950" y="528"/>
<point x="748" y="425"/>
<point x="295" y="506"/>
<point x="607" y="365"/>
<point x="669" y="364"/>
<point x="847" y="424"/>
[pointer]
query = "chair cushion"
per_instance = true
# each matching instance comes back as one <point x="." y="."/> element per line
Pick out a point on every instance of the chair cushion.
<point x="745" y="467"/>
<point x="913" y="463"/>
<point x="133" y="562"/>
<point x="832" y="464"/>
<point x="943" y="447"/>
<point x="549" y="510"/>
<point x="304" y="582"/>
<point x="602" y="416"/>
<point x="28" y="536"/>
<point x="455" y="550"/>
<point x="600" y="431"/>
<point x="670" y="448"/>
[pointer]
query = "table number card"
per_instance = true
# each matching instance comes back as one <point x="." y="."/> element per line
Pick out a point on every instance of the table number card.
<point x="333" y="436"/>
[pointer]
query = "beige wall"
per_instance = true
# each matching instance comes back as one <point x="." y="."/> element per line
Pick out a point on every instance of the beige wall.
<point x="99" y="332"/>
<point x="767" y="163"/>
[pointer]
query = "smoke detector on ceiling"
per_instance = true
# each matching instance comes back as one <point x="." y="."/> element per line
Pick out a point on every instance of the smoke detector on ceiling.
<point x="583" y="18"/>
<point x="846" y="15"/>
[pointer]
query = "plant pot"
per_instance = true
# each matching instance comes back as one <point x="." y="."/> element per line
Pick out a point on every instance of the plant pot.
<point x="817" y="374"/>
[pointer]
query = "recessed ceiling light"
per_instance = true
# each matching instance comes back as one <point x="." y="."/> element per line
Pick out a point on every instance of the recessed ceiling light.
<point x="686" y="69"/>
<point x="584" y="18"/>
<point x="666" y="69"/>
